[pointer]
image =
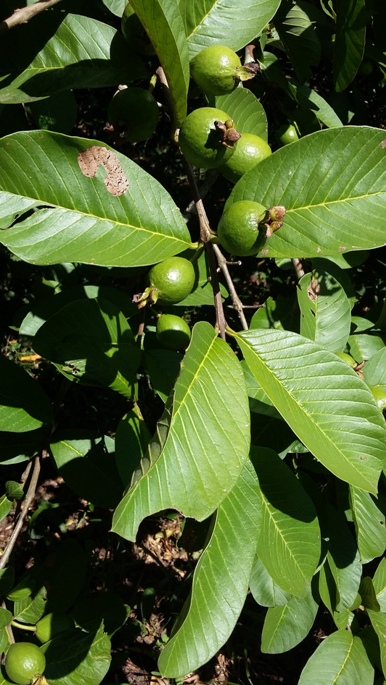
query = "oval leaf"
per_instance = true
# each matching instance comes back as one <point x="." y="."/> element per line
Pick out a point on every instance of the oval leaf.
<point x="246" y="110"/>
<point x="285" y="626"/>
<point x="325" y="403"/>
<point x="289" y="539"/>
<point x="264" y="589"/>
<point x="77" y="657"/>
<point x="209" y="22"/>
<point x="370" y="524"/>
<point x="220" y="581"/>
<point x="349" y="45"/>
<point x="191" y="473"/>
<point x="163" y="24"/>
<point x="84" y="221"/>
<point x="341" y="659"/>
<point x="333" y="186"/>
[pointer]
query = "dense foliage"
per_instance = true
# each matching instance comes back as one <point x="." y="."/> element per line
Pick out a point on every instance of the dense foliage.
<point x="192" y="437"/>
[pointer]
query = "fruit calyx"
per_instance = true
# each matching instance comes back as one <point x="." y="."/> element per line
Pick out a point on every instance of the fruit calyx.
<point x="247" y="72"/>
<point x="228" y="133"/>
<point x="273" y="219"/>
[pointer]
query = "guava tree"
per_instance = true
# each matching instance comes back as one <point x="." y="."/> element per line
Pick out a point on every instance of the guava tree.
<point x="271" y="440"/>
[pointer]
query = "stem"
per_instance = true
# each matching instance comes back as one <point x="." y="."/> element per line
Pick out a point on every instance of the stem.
<point x="24" y="14"/>
<point x="23" y="626"/>
<point x="298" y="266"/>
<point x="222" y="262"/>
<point x="26" y="504"/>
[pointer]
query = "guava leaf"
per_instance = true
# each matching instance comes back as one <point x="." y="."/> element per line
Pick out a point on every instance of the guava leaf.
<point x="79" y="219"/>
<point x="350" y="39"/>
<point x="289" y="539"/>
<point x="325" y="310"/>
<point x="365" y="346"/>
<point x="333" y="186"/>
<point x="220" y="581"/>
<point x="24" y="406"/>
<point x="296" y="32"/>
<point x="378" y="621"/>
<point x="115" y="6"/>
<point x="101" y="351"/>
<point x="379" y="582"/>
<point x="370" y="524"/>
<point x="340" y="659"/>
<point x="77" y="657"/>
<point x="374" y="370"/>
<point x="264" y="590"/>
<point x="285" y="626"/>
<point x="163" y="23"/>
<point x="235" y="24"/>
<point x="5" y="506"/>
<point x="58" y="52"/>
<point x="131" y="441"/>
<point x="246" y="110"/>
<point x="326" y="404"/>
<point x="198" y="465"/>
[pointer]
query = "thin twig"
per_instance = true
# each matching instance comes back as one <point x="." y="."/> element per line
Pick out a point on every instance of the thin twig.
<point x="27" y="503"/>
<point x="298" y="266"/>
<point x="24" y="14"/>
<point x="222" y="262"/>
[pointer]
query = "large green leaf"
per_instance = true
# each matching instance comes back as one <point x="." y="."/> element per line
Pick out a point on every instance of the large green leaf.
<point x="198" y="465"/>
<point x="225" y="22"/>
<point x="297" y="34"/>
<point x="333" y="186"/>
<point x="58" y="52"/>
<point x="164" y="26"/>
<point x="80" y="219"/>
<point x="115" y="6"/>
<point x="374" y="370"/>
<point x="91" y="342"/>
<point x="248" y="114"/>
<point x="220" y="581"/>
<point x="289" y="539"/>
<point x="24" y="406"/>
<point x="326" y="404"/>
<point x="378" y="621"/>
<point x="369" y="523"/>
<point x="264" y="590"/>
<point x="349" y="45"/>
<point x="79" y="658"/>
<point x="325" y="310"/>
<point x="286" y="626"/>
<point x="341" y="659"/>
<point x="379" y="582"/>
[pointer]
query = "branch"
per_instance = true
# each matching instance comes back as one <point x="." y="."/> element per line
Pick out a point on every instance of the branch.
<point x="27" y="503"/>
<point x="24" y="14"/>
<point x="222" y="262"/>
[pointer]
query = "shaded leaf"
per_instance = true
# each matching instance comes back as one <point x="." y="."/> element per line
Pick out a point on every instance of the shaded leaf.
<point x="5" y="506"/>
<point x="341" y="659"/>
<point x="369" y="523"/>
<point x="328" y="182"/>
<point x="24" y="406"/>
<point x="285" y="626"/>
<point x="209" y="22"/>
<point x="79" y="220"/>
<point x="191" y="474"/>
<point x="59" y="52"/>
<point x="80" y="658"/>
<point x="289" y="539"/>
<point x="131" y="440"/>
<point x="374" y="370"/>
<point x="379" y="582"/>
<point x="163" y="367"/>
<point x="296" y="32"/>
<point x="364" y="346"/>
<point x="327" y="406"/>
<point x="88" y="466"/>
<point x="220" y="581"/>
<point x="378" y="621"/>
<point x="163" y="24"/>
<point x="350" y="38"/>
<point x="99" y="352"/>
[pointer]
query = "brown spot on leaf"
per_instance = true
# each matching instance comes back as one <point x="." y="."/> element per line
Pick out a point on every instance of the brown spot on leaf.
<point x="383" y="144"/>
<point x="89" y="161"/>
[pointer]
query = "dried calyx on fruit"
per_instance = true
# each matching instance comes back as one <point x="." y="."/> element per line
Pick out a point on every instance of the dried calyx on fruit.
<point x="208" y="137"/>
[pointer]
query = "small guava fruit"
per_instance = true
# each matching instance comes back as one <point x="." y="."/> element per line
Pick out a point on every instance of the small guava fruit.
<point x="173" y="332"/>
<point x="135" y="33"/>
<point x="249" y="151"/>
<point x="208" y="137"/>
<point x="52" y="624"/>
<point x="241" y="230"/>
<point x="172" y="280"/>
<point x="24" y="663"/>
<point x="286" y="134"/>
<point x="133" y="113"/>
<point x="214" y="69"/>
